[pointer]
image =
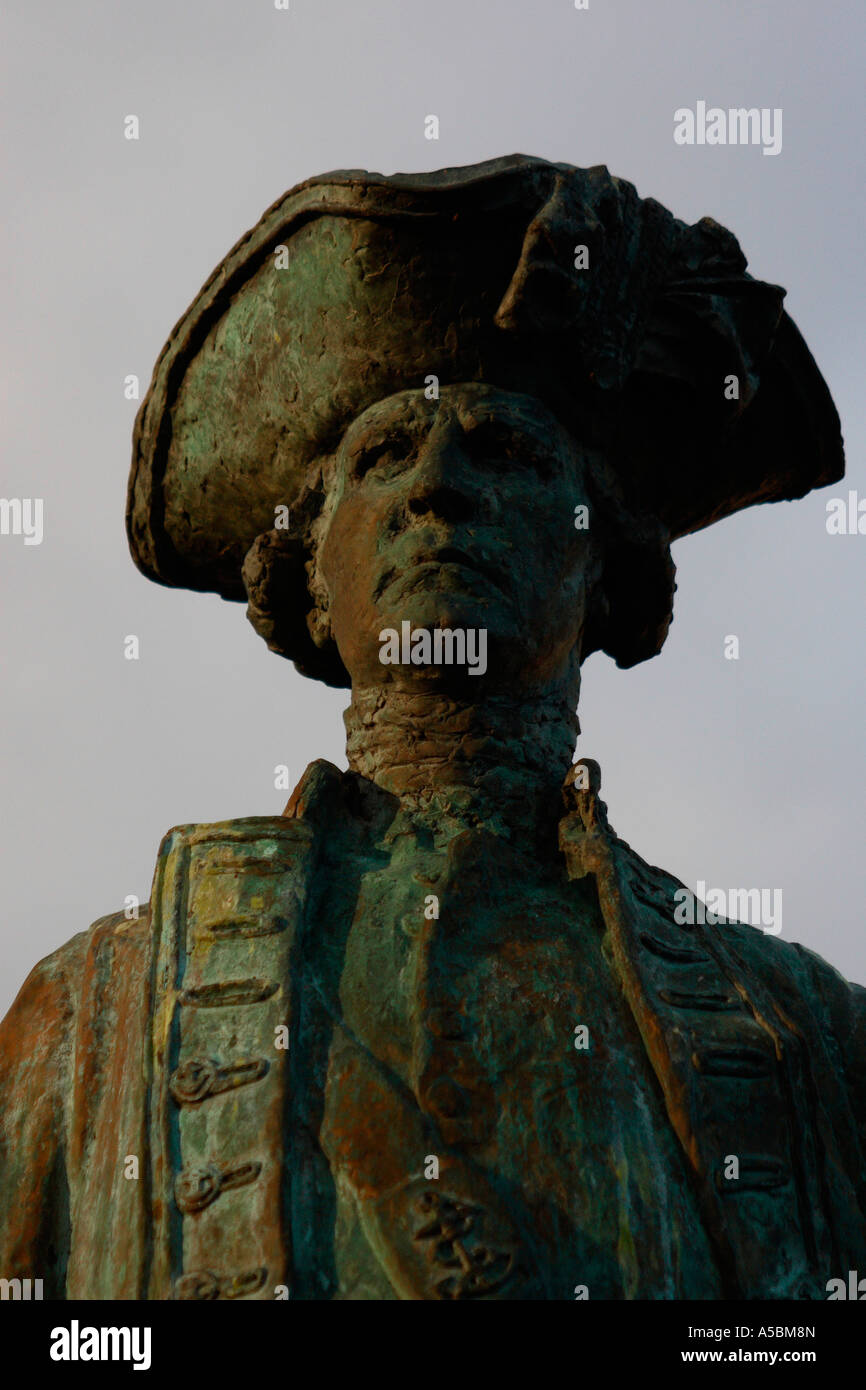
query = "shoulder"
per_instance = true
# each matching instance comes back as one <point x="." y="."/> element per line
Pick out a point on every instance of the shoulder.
<point x="47" y="1002"/>
<point x="797" y="978"/>
<point x="46" y="997"/>
<point x="52" y="993"/>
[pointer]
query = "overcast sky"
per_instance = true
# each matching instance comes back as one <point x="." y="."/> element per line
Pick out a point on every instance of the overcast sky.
<point x="743" y="773"/>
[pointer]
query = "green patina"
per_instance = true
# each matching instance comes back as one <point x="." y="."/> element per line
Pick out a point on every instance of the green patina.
<point x="428" y="386"/>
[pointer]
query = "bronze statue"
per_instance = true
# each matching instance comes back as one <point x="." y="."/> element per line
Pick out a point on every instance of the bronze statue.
<point x="436" y="1032"/>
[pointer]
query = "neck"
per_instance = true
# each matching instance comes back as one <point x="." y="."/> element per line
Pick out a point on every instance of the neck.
<point x="496" y="762"/>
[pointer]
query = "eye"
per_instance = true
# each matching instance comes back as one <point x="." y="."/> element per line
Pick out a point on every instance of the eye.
<point x="384" y="455"/>
<point x="494" y="442"/>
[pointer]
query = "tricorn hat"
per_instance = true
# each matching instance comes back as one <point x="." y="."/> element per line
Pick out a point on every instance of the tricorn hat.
<point x="643" y="334"/>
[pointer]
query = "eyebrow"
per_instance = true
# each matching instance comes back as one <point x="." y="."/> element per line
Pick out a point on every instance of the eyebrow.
<point x="482" y="415"/>
<point x="377" y="432"/>
<point x="532" y="438"/>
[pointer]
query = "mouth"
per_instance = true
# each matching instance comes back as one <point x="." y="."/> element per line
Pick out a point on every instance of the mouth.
<point x="446" y="557"/>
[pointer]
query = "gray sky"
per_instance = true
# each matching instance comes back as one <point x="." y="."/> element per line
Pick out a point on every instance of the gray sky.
<point x="741" y="773"/>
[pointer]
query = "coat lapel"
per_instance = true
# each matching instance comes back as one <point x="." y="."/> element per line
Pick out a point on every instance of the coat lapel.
<point x="733" y="1070"/>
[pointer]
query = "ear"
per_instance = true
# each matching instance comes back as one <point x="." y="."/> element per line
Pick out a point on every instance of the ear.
<point x="640" y="585"/>
<point x="630" y="605"/>
<point x="276" y="573"/>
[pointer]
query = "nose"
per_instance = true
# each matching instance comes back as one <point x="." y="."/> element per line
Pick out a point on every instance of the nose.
<point x="442" y="485"/>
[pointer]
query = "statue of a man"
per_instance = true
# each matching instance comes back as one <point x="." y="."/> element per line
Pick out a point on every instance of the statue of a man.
<point x="436" y="1032"/>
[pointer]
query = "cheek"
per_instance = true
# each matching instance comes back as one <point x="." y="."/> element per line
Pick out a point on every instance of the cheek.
<point x="549" y="542"/>
<point x="554" y="559"/>
<point x="348" y="561"/>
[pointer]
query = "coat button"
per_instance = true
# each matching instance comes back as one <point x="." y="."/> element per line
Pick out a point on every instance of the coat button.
<point x="196" y="1188"/>
<point x="199" y="1185"/>
<point x="446" y="1100"/>
<point x="193" y="1080"/>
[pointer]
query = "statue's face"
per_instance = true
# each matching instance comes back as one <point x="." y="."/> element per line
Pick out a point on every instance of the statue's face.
<point x="458" y="513"/>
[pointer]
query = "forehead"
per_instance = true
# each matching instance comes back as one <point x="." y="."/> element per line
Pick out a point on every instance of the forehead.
<point x="468" y="403"/>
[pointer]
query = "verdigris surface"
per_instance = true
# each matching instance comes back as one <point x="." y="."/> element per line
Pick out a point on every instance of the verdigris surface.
<point x="436" y="1032"/>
